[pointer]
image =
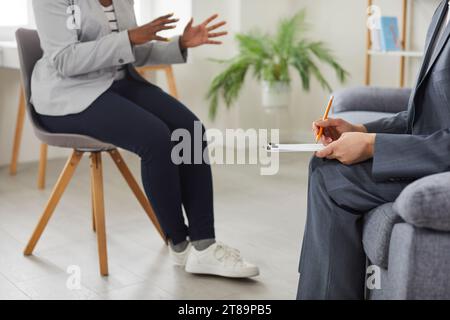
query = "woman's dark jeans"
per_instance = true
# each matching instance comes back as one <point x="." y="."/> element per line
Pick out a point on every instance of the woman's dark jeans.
<point x="140" y="117"/>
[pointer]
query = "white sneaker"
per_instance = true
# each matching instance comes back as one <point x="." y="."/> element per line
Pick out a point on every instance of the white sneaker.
<point x="220" y="260"/>
<point x="180" y="258"/>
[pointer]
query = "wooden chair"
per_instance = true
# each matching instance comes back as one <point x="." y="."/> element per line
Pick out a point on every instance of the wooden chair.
<point x="29" y="53"/>
<point x="21" y="110"/>
<point x="168" y="70"/>
<point x="172" y="87"/>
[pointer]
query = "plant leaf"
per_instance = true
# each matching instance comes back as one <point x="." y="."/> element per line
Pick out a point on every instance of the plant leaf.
<point x="325" y="55"/>
<point x="288" y="33"/>
<point x="228" y="85"/>
<point x="270" y="58"/>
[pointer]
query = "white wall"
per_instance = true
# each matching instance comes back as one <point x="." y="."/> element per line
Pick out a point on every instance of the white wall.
<point x="340" y="23"/>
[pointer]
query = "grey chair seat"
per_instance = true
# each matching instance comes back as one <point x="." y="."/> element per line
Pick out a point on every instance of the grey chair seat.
<point x="73" y="141"/>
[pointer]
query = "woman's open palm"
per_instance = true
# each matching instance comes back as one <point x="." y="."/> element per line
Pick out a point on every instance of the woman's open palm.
<point x="195" y="36"/>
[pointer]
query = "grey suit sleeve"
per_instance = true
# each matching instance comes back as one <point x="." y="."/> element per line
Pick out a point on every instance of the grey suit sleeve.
<point x="69" y="56"/>
<point x="395" y="125"/>
<point x="405" y="156"/>
<point x="160" y="53"/>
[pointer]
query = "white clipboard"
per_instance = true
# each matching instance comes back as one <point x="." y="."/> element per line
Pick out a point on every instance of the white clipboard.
<point x="281" y="148"/>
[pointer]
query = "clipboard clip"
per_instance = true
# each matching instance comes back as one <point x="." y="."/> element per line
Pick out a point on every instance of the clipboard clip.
<point x="271" y="147"/>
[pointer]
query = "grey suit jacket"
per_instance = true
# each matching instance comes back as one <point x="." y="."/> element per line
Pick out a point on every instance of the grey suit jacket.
<point x="416" y="143"/>
<point x="79" y="64"/>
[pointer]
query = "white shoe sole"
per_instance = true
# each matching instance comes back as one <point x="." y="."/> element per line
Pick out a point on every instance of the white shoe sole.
<point x="213" y="270"/>
<point x="179" y="260"/>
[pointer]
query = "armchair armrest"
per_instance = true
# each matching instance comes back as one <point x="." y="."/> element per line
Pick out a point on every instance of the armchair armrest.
<point x="426" y="203"/>
<point x="371" y="99"/>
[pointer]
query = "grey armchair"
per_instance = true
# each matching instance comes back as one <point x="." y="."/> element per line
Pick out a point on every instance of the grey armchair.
<point x="408" y="241"/>
<point x="364" y="104"/>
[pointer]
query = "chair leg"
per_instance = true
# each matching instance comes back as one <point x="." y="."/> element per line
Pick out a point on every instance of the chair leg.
<point x="134" y="186"/>
<point x="18" y="133"/>
<point x="99" y="205"/>
<point x="56" y="195"/>
<point x="42" y="166"/>
<point x="171" y="82"/>
<point x="94" y="228"/>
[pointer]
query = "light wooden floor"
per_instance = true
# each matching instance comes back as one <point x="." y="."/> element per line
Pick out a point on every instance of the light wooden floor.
<point x="262" y="216"/>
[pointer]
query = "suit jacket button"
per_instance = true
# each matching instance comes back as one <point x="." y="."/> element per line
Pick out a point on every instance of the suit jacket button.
<point x="121" y="61"/>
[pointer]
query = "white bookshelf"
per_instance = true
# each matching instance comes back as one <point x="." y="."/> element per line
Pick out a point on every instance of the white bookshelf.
<point x="406" y="54"/>
<point x="402" y="55"/>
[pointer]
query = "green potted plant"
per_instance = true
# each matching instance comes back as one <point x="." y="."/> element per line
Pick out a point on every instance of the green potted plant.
<point x="271" y="58"/>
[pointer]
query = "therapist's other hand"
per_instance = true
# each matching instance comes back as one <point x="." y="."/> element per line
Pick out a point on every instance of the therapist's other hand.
<point x="350" y="148"/>
<point x="149" y="32"/>
<point x="334" y="128"/>
<point x="195" y="36"/>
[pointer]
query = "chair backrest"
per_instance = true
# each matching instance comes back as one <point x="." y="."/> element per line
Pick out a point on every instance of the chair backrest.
<point x="29" y="48"/>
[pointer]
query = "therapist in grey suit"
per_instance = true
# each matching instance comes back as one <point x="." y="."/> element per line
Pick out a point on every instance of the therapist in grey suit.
<point x="365" y="166"/>
<point x="86" y="84"/>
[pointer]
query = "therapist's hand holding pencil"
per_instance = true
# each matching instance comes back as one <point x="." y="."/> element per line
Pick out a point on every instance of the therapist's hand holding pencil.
<point x="344" y="142"/>
<point x="325" y="117"/>
<point x="327" y="130"/>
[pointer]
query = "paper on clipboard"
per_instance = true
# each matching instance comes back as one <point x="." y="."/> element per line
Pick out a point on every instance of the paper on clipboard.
<point x="295" y="147"/>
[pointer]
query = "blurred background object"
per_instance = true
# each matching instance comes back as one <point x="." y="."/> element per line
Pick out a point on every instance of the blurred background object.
<point x="272" y="60"/>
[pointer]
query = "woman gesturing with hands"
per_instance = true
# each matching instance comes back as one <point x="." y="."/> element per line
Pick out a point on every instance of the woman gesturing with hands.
<point x="193" y="36"/>
<point x="86" y="83"/>
<point x="149" y="31"/>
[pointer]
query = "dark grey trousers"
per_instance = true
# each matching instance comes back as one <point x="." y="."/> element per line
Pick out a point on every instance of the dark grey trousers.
<point x="332" y="262"/>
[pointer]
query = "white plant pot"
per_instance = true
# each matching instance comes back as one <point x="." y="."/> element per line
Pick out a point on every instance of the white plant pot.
<point x="275" y="95"/>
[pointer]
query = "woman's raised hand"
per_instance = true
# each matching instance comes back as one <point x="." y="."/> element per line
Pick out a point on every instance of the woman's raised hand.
<point x="204" y="33"/>
<point x="149" y="32"/>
